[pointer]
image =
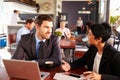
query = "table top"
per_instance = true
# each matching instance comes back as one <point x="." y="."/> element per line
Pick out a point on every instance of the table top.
<point x="68" y="44"/>
<point x="65" y="44"/>
<point x="4" y="76"/>
<point x="71" y="43"/>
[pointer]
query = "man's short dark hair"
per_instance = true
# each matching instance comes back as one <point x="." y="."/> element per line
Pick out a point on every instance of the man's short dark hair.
<point x="15" y="11"/>
<point x="42" y="18"/>
<point x="29" y="20"/>
<point x="101" y="30"/>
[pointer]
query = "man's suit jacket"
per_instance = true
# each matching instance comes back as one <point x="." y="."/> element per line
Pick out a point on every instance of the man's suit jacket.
<point x="26" y="49"/>
<point x="109" y="65"/>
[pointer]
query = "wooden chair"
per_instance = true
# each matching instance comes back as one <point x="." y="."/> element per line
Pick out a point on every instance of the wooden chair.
<point x="12" y="41"/>
<point x="116" y="38"/>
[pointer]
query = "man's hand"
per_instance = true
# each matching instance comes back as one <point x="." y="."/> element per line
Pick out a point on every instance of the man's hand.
<point x="65" y="66"/>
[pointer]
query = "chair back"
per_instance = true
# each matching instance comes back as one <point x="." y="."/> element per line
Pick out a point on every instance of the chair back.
<point x="117" y="34"/>
<point x="116" y="38"/>
<point x="12" y="38"/>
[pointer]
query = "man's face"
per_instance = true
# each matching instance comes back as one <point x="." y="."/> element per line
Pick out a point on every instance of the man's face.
<point x="62" y="24"/>
<point x="45" y="30"/>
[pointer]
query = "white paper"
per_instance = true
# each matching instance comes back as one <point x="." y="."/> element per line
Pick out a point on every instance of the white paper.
<point x="62" y="76"/>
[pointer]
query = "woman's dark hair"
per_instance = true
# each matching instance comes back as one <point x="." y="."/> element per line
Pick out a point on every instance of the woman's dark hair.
<point x="101" y="30"/>
<point x="89" y="23"/>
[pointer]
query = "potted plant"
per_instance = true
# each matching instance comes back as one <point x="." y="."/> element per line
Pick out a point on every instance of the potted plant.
<point x="58" y="33"/>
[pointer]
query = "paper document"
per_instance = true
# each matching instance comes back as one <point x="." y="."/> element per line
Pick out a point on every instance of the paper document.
<point x="62" y="76"/>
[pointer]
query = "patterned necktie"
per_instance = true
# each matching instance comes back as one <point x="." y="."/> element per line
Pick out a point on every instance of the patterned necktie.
<point x="40" y="52"/>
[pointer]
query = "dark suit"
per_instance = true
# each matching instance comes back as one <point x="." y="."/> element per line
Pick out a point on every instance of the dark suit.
<point x="26" y="49"/>
<point x="109" y="65"/>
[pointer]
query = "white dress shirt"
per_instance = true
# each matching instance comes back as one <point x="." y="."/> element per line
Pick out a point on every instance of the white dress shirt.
<point x="21" y="32"/>
<point x="15" y="18"/>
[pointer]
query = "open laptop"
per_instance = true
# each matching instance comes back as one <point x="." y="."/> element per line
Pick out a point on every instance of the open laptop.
<point x="21" y="69"/>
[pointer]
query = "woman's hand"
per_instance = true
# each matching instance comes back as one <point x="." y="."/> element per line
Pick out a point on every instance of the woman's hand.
<point x="65" y="66"/>
<point x="90" y="75"/>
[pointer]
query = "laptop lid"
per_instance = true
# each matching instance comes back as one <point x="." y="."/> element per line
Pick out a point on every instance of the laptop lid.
<point x="22" y="69"/>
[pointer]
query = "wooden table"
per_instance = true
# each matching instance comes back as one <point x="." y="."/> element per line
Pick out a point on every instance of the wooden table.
<point x="68" y="44"/>
<point x="4" y="76"/>
<point x="71" y="44"/>
<point x="57" y="70"/>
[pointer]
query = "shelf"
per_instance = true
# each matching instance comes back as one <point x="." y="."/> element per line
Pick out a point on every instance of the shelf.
<point x="28" y="2"/>
<point x="63" y="17"/>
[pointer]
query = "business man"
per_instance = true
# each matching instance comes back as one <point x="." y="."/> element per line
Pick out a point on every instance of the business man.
<point x="28" y="46"/>
<point x="101" y="59"/>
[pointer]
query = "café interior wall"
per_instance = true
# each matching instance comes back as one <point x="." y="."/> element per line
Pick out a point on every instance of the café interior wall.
<point x="42" y="11"/>
<point x="55" y="8"/>
<point x="6" y="10"/>
<point x="72" y="8"/>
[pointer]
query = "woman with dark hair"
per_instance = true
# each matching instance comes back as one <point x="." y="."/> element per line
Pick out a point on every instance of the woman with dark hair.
<point x="101" y="59"/>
